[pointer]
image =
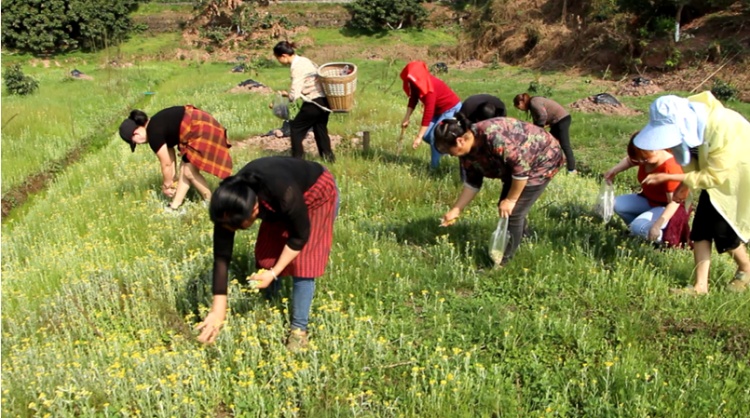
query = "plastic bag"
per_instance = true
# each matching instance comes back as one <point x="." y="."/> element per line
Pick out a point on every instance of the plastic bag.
<point x="499" y="241"/>
<point x="605" y="202"/>
<point x="281" y="107"/>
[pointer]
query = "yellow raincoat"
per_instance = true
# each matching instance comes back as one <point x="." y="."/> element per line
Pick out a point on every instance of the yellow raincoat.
<point x="723" y="166"/>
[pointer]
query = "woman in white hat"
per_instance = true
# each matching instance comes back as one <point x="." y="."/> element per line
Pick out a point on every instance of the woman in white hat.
<point x="713" y="144"/>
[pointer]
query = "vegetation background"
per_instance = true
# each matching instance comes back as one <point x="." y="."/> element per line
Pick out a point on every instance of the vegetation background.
<point x="101" y="289"/>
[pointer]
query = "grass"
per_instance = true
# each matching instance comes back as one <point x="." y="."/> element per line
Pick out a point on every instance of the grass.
<point x="101" y="288"/>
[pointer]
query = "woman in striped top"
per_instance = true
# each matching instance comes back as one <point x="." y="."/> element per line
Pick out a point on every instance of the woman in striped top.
<point x="297" y="202"/>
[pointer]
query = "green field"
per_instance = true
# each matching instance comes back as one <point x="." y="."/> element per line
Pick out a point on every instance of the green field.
<point x="101" y="289"/>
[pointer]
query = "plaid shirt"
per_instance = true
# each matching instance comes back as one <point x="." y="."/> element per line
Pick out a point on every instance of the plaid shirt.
<point x="204" y="142"/>
<point x="507" y="149"/>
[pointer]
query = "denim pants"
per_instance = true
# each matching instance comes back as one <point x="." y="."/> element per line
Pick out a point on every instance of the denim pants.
<point x="429" y="136"/>
<point x="303" y="290"/>
<point x="638" y="214"/>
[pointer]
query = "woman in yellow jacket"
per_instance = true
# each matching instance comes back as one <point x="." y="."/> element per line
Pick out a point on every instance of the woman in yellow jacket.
<point x="713" y="144"/>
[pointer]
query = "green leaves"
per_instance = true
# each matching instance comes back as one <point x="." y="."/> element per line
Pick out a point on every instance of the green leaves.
<point x="54" y="26"/>
<point x="384" y="15"/>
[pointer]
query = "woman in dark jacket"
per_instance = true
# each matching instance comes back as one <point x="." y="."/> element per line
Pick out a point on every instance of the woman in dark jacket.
<point x="200" y="139"/>
<point x="297" y="201"/>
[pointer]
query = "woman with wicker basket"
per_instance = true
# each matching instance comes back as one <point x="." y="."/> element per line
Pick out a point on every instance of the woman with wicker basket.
<point x="315" y="110"/>
<point x="440" y="102"/>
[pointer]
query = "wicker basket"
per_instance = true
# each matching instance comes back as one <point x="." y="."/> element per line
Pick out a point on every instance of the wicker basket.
<point x="338" y="85"/>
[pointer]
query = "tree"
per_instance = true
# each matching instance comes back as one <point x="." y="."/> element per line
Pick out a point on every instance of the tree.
<point x="383" y="15"/>
<point x="51" y="26"/>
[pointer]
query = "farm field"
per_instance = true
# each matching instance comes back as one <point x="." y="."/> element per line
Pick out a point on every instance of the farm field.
<point x="101" y="288"/>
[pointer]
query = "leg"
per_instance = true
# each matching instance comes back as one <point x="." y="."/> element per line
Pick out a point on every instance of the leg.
<point x="630" y="206"/>
<point x="740" y="257"/>
<point x="561" y="131"/>
<point x="195" y="177"/>
<point x="642" y="224"/>
<point x="183" y="185"/>
<point x="302" y="123"/>
<point x="320" y="130"/>
<point x="702" y="257"/>
<point x="517" y="219"/>
<point x="302" y="296"/>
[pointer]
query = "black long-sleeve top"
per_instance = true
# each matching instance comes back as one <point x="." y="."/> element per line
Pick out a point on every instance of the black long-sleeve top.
<point x="164" y="128"/>
<point x="473" y="104"/>
<point x="280" y="183"/>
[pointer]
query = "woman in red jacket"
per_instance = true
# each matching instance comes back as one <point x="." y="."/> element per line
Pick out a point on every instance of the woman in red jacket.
<point x="440" y="102"/>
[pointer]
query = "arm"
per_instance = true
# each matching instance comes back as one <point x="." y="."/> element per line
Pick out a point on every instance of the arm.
<point x="658" y="178"/>
<point x="538" y="114"/>
<point x="211" y="325"/>
<point x="298" y="82"/>
<point x="507" y="204"/>
<point x="623" y="165"/>
<point x="669" y="211"/>
<point x="466" y="196"/>
<point x="265" y="278"/>
<point x="167" y="162"/>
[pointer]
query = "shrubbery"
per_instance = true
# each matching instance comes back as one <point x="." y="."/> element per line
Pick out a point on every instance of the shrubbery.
<point x="51" y="26"/>
<point x="383" y="15"/>
<point x="19" y="83"/>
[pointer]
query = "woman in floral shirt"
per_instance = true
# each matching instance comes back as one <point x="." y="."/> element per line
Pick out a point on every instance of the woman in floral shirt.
<point x="525" y="157"/>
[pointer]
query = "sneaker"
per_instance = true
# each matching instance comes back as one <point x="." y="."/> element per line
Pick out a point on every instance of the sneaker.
<point x="297" y="341"/>
<point x="740" y="282"/>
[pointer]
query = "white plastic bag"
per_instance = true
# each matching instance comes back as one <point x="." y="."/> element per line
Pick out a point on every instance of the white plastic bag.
<point x="281" y="107"/>
<point x="605" y="201"/>
<point x="499" y="241"/>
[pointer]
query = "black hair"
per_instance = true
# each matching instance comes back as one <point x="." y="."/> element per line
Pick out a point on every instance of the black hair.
<point x="282" y="48"/>
<point x="139" y="117"/>
<point x="448" y="131"/>
<point x="232" y="203"/>
<point x="487" y="111"/>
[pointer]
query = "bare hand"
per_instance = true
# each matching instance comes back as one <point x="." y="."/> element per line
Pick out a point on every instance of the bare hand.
<point x="417" y="141"/>
<point x="450" y="217"/>
<point x="655" y="178"/>
<point x="405" y="124"/>
<point x="681" y="193"/>
<point x="506" y="207"/>
<point x="654" y="232"/>
<point x="609" y="176"/>
<point x="263" y="277"/>
<point x="210" y="327"/>
<point x="284" y="93"/>
<point x="170" y="190"/>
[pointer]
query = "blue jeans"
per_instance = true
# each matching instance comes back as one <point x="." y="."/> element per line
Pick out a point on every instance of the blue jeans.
<point x="429" y="136"/>
<point x="303" y="290"/>
<point x="638" y="214"/>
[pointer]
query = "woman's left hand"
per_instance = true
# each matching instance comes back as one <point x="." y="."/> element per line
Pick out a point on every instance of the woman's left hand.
<point x="284" y="93"/>
<point x="264" y="278"/>
<point x="417" y="141"/>
<point x="210" y="327"/>
<point x="654" y="232"/>
<point x="655" y="178"/>
<point x="506" y="207"/>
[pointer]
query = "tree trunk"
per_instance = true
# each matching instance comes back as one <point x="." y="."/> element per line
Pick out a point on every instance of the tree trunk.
<point x="677" y="18"/>
<point x="564" y="11"/>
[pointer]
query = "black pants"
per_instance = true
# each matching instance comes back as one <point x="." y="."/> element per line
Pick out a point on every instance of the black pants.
<point x="561" y="131"/>
<point x="311" y="116"/>
<point x="517" y="221"/>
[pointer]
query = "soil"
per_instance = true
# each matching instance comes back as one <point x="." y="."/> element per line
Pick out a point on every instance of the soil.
<point x="283" y="144"/>
<point x="587" y="105"/>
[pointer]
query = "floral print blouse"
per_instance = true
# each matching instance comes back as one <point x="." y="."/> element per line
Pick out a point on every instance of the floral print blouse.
<point x="507" y="149"/>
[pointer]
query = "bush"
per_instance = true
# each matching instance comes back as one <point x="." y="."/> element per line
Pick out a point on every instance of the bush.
<point x="52" y="26"/>
<point x="384" y="15"/>
<point x="19" y="83"/>
<point x="724" y="91"/>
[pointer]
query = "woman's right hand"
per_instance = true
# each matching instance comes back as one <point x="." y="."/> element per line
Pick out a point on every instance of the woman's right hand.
<point x="405" y="124"/>
<point x="170" y="190"/>
<point x="211" y="326"/>
<point x="610" y="175"/>
<point x="450" y="217"/>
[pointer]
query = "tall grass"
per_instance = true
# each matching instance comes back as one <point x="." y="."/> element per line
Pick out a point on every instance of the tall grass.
<point x="101" y="288"/>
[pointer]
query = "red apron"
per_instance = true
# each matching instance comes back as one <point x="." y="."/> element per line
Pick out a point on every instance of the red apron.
<point x="311" y="262"/>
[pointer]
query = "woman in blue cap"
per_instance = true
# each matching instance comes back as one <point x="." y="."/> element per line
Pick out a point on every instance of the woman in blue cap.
<point x="713" y="144"/>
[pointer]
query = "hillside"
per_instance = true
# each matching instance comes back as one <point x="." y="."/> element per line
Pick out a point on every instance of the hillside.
<point x="532" y="34"/>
